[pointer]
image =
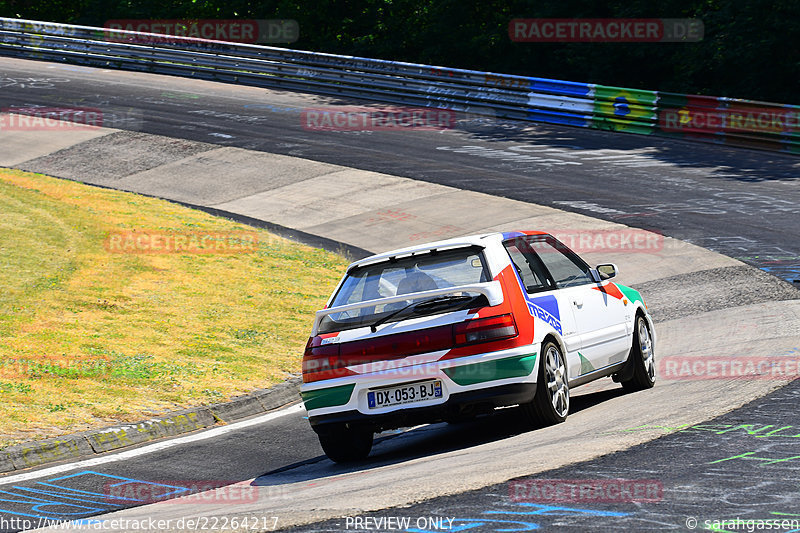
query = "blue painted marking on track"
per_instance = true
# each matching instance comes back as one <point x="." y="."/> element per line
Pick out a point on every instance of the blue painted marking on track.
<point x="122" y="481"/>
<point x="63" y="495"/>
<point x="38" y="505"/>
<point x="54" y="500"/>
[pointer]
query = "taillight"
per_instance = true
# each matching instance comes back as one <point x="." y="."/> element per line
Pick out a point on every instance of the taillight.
<point x="322" y="362"/>
<point x="485" y="329"/>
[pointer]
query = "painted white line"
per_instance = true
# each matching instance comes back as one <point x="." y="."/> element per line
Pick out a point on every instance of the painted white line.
<point x="158" y="446"/>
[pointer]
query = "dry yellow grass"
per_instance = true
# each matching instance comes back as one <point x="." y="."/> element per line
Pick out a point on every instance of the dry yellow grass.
<point x="89" y="338"/>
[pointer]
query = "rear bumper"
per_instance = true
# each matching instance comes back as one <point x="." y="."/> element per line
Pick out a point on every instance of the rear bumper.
<point x="461" y="403"/>
<point x="480" y="376"/>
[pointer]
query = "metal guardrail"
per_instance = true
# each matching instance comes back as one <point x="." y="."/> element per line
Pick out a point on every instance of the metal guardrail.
<point x="722" y="120"/>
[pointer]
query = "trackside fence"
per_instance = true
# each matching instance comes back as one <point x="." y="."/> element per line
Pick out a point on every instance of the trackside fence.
<point x="721" y="120"/>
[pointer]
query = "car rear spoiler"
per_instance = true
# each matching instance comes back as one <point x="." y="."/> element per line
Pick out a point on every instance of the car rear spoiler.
<point x="492" y="290"/>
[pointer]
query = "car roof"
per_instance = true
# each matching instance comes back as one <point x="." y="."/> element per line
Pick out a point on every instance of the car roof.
<point x="457" y="242"/>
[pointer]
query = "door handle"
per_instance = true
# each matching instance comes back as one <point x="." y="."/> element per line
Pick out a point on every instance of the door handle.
<point x="578" y="303"/>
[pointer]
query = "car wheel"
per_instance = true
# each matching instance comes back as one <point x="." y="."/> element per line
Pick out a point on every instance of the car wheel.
<point x="343" y="444"/>
<point x="550" y="405"/>
<point x="642" y="358"/>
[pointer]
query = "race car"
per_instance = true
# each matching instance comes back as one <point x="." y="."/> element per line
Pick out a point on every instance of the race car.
<point x="456" y="328"/>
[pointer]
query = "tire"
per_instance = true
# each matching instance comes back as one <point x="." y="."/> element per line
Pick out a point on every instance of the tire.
<point x="550" y="404"/>
<point x="642" y="358"/>
<point x="344" y="444"/>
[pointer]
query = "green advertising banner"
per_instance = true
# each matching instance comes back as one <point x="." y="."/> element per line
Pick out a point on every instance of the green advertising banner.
<point x="626" y="110"/>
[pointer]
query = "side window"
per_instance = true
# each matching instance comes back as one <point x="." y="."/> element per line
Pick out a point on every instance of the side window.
<point x="529" y="270"/>
<point x="567" y="269"/>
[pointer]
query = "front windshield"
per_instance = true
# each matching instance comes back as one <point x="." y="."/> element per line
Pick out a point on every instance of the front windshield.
<point x="418" y="273"/>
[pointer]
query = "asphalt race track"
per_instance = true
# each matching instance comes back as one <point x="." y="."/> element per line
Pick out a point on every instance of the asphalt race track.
<point x="743" y="465"/>
<point x="742" y="203"/>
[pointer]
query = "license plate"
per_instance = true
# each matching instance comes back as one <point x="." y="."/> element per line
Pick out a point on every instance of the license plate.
<point x="413" y="393"/>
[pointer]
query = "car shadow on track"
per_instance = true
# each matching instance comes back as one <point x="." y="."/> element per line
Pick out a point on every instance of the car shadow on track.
<point x="407" y="444"/>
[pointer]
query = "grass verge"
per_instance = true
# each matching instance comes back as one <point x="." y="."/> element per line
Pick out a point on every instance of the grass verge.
<point x="90" y="338"/>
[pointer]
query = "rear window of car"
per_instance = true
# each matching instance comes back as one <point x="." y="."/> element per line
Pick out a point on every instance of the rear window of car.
<point x="406" y="275"/>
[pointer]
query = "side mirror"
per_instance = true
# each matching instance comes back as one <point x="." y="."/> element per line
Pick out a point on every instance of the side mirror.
<point x="607" y="271"/>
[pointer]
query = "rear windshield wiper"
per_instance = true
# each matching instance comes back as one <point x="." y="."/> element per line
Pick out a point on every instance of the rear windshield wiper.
<point x="430" y="302"/>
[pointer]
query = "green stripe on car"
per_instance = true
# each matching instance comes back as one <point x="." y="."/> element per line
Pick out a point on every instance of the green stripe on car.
<point x="631" y="294"/>
<point x="328" y="397"/>
<point x="586" y="366"/>
<point x="508" y="367"/>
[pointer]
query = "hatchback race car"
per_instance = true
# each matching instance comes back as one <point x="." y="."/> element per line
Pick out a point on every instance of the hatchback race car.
<point x="455" y="328"/>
